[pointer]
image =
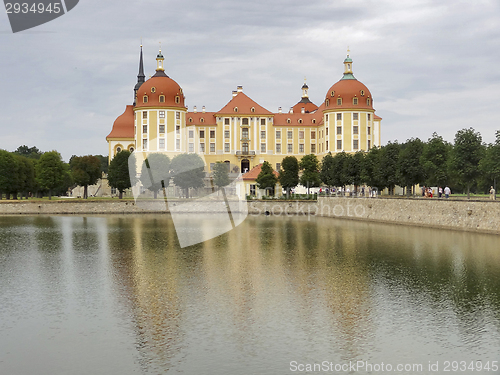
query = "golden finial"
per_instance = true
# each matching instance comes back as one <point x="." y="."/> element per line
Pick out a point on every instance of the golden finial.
<point x="141" y="41"/>
<point x="348" y="50"/>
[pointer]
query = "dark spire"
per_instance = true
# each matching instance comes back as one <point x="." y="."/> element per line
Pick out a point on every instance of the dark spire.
<point x="140" y="77"/>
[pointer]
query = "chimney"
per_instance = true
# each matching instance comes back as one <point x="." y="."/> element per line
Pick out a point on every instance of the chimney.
<point x="291" y="110"/>
<point x="239" y="88"/>
<point x="203" y="109"/>
<point x="303" y="110"/>
<point x="195" y="109"/>
<point x="234" y="93"/>
<point x="280" y="110"/>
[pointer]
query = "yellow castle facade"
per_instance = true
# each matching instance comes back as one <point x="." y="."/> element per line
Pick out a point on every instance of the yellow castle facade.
<point x="243" y="133"/>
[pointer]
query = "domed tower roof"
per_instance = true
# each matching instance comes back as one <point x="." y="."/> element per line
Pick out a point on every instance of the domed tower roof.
<point x="160" y="90"/>
<point x="348" y="93"/>
<point x="123" y="127"/>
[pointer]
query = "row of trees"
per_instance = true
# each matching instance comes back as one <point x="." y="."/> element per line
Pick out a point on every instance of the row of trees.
<point x="28" y="171"/>
<point x="467" y="165"/>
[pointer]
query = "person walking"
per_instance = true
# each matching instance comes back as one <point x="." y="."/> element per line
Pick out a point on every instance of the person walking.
<point x="492" y="194"/>
<point x="440" y="192"/>
<point x="447" y="192"/>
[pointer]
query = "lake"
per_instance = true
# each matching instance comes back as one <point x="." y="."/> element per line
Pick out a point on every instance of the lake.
<point x="277" y="295"/>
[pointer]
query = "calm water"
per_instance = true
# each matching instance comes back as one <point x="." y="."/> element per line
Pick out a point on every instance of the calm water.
<point x="116" y="295"/>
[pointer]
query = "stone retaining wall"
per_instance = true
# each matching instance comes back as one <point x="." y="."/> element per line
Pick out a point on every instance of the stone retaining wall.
<point x="478" y="216"/>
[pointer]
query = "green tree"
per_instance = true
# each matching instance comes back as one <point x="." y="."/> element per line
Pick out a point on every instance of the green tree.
<point x="466" y="154"/>
<point x="50" y="171"/>
<point x="104" y="163"/>
<point x="29" y="152"/>
<point x="86" y="170"/>
<point x="309" y="164"/>
<point x="388" y="165"/>
<point x="340" y="166"/>
<point x="8" y="173"/>
<point x="187" y="171"/>
<point x="409" y="168"/>
<point x="267" y="179"/>
<point x="118" y="172"/>
<point x="354" y="168"/>
<point x="371" y="171"/>
<point x="221" y="174"/>
<point x="434" y="161"/>
<point x="289" y="173"/>
<point x="155" y="173"/>
<point x="327" y="174"/>
<point x="490" y="163"/>
<point x="25" y="177"/>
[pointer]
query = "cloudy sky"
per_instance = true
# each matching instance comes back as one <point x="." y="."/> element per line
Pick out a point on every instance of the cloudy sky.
<point x="432" y="66"/>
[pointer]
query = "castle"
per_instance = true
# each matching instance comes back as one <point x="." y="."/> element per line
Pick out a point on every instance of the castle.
<point x="243" y="133"/>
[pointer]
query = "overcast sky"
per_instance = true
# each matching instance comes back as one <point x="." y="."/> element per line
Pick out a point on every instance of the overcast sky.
<point x="431" y="66"/>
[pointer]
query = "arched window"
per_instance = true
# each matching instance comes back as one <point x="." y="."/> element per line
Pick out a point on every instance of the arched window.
<point x="145" y="99"/>
<point x="202" y="119"/>
<point x="162" y="98"/>
<point x="288" y="121"/>
<point x="177" y="99"/>
<point x="235" y="109"/>
<point x="300" y="121"/>
<point x="332" y="93"/>
<point x="314" y="121"/>
<point x="118" y="149"/>
<point x="252" y="109"/>
<point x="362" y="92"/>
<point x="327" y="102"/>
<point x="190" y="119"/>
<point x="368" y="101"/>
<point x="355" y="101"/>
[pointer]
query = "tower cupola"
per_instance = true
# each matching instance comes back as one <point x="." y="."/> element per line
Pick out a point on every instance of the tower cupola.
<point x="348" y="67"/>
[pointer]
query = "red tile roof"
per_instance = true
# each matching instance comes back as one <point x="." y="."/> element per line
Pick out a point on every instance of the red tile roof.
<point x="254" y="173"/>
<point x="200" y="118"/>
<point x="375" y="117"/>
<point x="123" y="127"/>
<point x="244" y="105"/>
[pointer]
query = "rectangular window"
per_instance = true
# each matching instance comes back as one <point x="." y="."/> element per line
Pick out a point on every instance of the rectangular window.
<point x="144" y="129"/>
<point x="191" y="147"/>
<point x="161" y="143"/>
<point x="278" y="134"/>
<point x="339" y="144"/>
<point x="226" y="121"/>
<point x="202" y="147"/>
<point x="355" y="101"/>
<point x="226" y="147"/>
<point x="263" y="134"/>
<point x="290" y="134"/>
<point x="226" y="133"/>
<point x="369" y="144"/>
<point x="177" y="144"/>
<point x="262" y="147"/>
<point x="145" y="114"/>
<point x="355" y="130"/>
<point x="313" y="135"/>
<point x="355" y="116"/>
<point x="144" y="144"/>
<point x="339" y="116"/>
<point x="326" y="131"/>
<point x="355" y="144"/>
<point x="263" y="121"/>
<point x="178" y="129"/>
<point x="162" y="129"/>
<point x="290" y="148"/>
<point x="278" y="167"/>
<point x="326" y="117"/>
<point x="252" y="189"/>
<point x="162" y="114"/>
<point x="301" y="147"/>
<point x="301" y="134"/>
<point x="369" y="116"/>
<point x="191" y="134"/>
<point x="339" y="101"/>
<point x="178" y="115"/>
<point x="326" y="145"/>
<point x="202" y="133"/>
<point x="278" y="148"/>
<point x="339" y="130"/>
<point x="212" y="147"/>
<point x="313" y="147"/>
<point x="212" y="133"/>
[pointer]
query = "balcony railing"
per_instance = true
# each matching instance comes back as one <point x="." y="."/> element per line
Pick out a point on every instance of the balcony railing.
<point x="245" y="153"/>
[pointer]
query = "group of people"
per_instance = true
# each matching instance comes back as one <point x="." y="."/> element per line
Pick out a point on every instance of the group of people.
<point x="427" y="192"/>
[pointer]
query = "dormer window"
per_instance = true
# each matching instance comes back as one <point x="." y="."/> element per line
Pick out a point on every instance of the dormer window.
<point x="314" y="121"/>
<point x="235" y="109"/>
<point x="339" y="101"/>
<point x="162" y="98"/>
<point x="177" y="99"/>
<point x="333" y="93"/>
<point x="288" y="121"/>
<point x="202" y="119"/>
<point x="368" y="101"/>
<point x="355" y="101"/>
<point x="252" y="109"/>
<point x="327" y="102"/>
<point x="153" y="89"/>
<point x="300" y="121"/>
<point x="145" y="99"/>
<point x="362" y="92"/>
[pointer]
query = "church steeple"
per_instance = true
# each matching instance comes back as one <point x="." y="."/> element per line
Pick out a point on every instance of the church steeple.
<point x="140" y="77"/>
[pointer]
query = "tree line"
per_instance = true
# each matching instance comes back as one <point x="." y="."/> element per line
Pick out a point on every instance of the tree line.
<point x="467" y="165"/>
<point x="28" y="172"/>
